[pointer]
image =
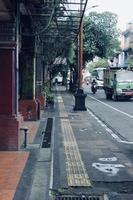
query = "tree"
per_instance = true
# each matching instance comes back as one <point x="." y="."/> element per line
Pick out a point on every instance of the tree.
<point x="99" y="63"/>
<point x="130" y="61"/>
<point x="100" y="35"/>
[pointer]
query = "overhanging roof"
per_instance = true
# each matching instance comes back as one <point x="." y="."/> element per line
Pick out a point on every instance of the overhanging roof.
<point x="54" y="22"/>
<point x="54" y="18"/>
<point x="6" y="9"/>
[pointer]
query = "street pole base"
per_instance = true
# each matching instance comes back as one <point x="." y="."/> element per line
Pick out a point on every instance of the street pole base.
<point x="80" y="100"/>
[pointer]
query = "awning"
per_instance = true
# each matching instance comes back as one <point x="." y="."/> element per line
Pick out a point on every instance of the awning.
<point x="54" y="18"/>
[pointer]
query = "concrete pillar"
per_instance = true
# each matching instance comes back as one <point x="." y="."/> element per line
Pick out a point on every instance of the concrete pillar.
<point x="9" y="122"/>
<point x="39" y="82"/>
<point x="29" y="107"/>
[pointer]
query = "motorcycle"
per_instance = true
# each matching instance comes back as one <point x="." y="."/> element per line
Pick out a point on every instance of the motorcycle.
<point x="93" y="87"/>
<point x="87" y="82"/>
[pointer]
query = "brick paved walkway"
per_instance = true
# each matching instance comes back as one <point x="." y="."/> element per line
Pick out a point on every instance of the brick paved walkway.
<point x="12" y="164"/>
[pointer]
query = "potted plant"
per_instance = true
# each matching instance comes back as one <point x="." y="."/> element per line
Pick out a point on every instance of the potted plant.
<point x="48" y="95"/>
<point x="50" y="99"/>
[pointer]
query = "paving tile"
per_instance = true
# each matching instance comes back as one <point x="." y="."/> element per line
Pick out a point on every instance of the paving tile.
<point x="11" y="168"/>
<point x="6" y="194"/>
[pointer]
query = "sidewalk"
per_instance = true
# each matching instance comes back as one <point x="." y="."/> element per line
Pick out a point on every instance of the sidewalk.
<point x="12" y="164"/>
<point x="81" y="160"/>
<point x="34" y="182"/>
<point x="87" y="161"/>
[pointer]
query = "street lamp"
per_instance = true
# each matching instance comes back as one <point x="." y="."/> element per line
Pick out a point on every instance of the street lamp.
<point x="79" y="95"/>
<point x="94" y="6"/>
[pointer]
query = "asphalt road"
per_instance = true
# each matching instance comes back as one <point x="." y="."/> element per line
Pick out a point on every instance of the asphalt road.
<point x="118" y="115"/>
<point x="117" y="118"/>
<point x="108" y="164"/>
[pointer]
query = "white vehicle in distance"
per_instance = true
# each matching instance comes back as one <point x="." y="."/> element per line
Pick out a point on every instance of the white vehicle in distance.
<point x="97" y="74"/>
<point x="58" y="79"/>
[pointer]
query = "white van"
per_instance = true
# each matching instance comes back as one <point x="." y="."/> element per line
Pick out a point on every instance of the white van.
<point x="58" y="79"/>
<point x="97" y="74"/>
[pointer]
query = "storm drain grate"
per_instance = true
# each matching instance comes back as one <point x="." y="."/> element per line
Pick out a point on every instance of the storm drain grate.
<point x="83" y="197"/>
<point x="46" y="142"/>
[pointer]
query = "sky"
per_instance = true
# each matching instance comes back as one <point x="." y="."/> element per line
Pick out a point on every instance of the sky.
<point x="123" y="8"/>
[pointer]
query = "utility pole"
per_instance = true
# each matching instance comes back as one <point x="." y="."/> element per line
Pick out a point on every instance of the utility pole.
<point x="79" y="95"/>
<point x="17" y="52"/>
<point x="80" y="54"/>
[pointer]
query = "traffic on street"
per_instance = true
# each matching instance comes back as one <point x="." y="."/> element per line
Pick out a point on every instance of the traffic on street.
<point x="116" y="121"/>
<point x="116" y="114"/>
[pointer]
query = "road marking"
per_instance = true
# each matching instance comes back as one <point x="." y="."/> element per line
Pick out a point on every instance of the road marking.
<point x="110" y="131"/>
<point x="131" y="116"/>
<point x="108" y="168"/>
<point x="52" y="160"/>
<point x="108" y="159"/>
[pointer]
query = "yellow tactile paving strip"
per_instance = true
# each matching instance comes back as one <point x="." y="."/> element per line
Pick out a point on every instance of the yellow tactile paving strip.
<point x="76" y="172"/>
<point x="61" y="107"/>
<point x="11" y="167"/>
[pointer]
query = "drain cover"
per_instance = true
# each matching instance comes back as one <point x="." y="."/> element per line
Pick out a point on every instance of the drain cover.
<point x="46" y="142"/>
<point x="83" y="197"/>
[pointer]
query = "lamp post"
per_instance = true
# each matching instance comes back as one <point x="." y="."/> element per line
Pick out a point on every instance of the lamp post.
<point x="80" y="54"/>
<point x="81" y="48"/>
<point x="80" y="95"/>
<point x="17" y="53"/>
<point x="94" y="6"/>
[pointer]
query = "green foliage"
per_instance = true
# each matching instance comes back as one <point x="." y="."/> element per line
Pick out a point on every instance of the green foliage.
<point x="71" y="53"/>
<point x="68" y="52"/>
<point x="47" y="93"/>
<point x="100" y="35"/>
<point x="101" y="62"/>
<point x="27" y="77"/>
<point x="130" y="61"/>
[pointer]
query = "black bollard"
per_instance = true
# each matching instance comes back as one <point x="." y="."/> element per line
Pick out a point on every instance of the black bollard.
<point x="80" y="100"/>
<point x="25" y="129"/>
